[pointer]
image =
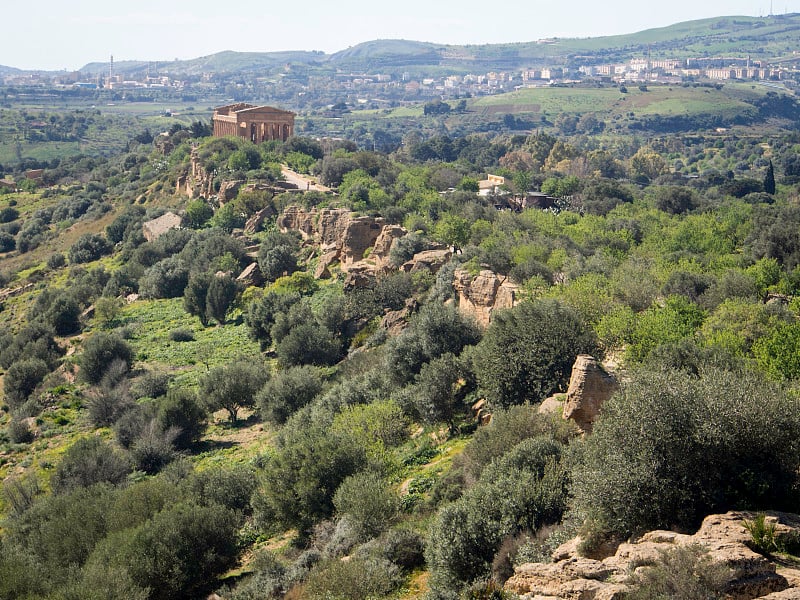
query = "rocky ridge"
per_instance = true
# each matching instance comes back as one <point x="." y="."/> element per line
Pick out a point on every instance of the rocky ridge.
<point x="574" y="577"/>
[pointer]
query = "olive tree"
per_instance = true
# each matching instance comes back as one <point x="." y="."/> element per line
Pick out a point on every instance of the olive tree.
<point x="528" y="351"/>
<point x="233" y="386"/>
<point x="672" y="447"/>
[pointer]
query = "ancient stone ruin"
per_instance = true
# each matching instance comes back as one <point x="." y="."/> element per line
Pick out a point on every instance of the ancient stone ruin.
<point x="255" y="123"/>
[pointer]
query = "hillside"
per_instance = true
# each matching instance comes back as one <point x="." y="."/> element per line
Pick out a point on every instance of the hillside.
<point x="367" y="394"/>
<point x="766" y="38"/>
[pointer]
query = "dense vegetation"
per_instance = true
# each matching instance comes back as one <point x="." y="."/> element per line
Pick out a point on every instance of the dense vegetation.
<point x="168" y="431"/>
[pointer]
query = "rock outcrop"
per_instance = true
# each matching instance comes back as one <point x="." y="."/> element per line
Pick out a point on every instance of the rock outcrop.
<point x="228" y="190"/>
<point x="345" y="239"/>
<point x="251" y="275"/>
<point x="427" y="260"/>
<point x="752" y="575"/>
<point x="155" y="228"/>
<point x="590" y="385"/>
<point x="479" y="296"/>
<point x="256" y="222"/>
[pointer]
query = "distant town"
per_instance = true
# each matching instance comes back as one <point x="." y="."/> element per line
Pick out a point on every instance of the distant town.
<point x="298" y="87"/>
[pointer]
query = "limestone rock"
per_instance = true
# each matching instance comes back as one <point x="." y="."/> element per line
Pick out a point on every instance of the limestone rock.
<point x="427" y="260"/>
<point x="155" y="228"/>
<point x="360" y="275"/>
<point x="383" y="244"/>
<point x="395" y="321"/>
<point x="554" y="405"/>
<point x="339" y="234"/>
<point x="251" y="275"/>
<point x="589" y="387"/>
<point x="256" y="222"/>
<point x="228" y="190"/>
<point x="751" y="575"/>
<point x="479" y="296"/>
<point x="359" y="234"/>
<point x="325" y="261"/>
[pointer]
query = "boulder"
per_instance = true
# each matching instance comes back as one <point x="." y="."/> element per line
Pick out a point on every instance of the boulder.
<point x="395" y="321"/>
<point x="298" y="219"/>
<point x="256" y="222"/>
<point x="427" y="260"/>
<point x="589" y="387"/>
<point x="480" y="295"/>
<point x="383" y="244"/>
<point x="325" y="261"/>
<point x="228" y="190"/>
<point x="554" y="405"/>
<point x="724" y="536"/>
<point x="359" y="234"/>
<point x="335" y="231"/>
<point x="251" y="275"/>
<point x="360" y="275"/>
<point x="155" y="228"/>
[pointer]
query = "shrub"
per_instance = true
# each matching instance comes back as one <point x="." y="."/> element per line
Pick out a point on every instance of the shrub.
<point x="525" y="490"/>
<point x="176" y="553"/>
<point x="89" y="461"/>
<point x="671" y="448"/>
<point x="762" y="533"/>
<point x="181" y="334"/>
<point x="440" y="387"/>
<point x="100" y="351"/>
<point x="154" y="448"/>
<point x="7" y="242"/>
<point x="436" y="330"/>
<point x="231" y="487"/>
<point x="165" y="279"/>
<point x="277" y="255"/>
<point x="64" y="314"/>
<point x="107" y="404"/>
<point x="528" y="351"/>
<point x="287" y="392"/>
<point x="181" y="411"/>
<point x="35" y="340"/>
<point x="21" y="380"/>
<point x="403" y="547"/>
<point x="300" y="479"/>
<point x="196" y="294"/>
<point x="152" y="384"/>
<point x="685" y="572"/>
<point x="19" y="432"/>
<point x="508" y="428"/>
<point x="261" y="314"/>
<point x="60" y="530"/>
<point x="355" y="579"/>
<point x="368" y="501"/>
<point x="88" y="247"/>
<point x="308" y="344"/>
<point x="222" y="291"/>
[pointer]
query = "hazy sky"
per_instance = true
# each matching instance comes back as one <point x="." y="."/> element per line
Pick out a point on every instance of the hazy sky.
<point x="61" y="34"/>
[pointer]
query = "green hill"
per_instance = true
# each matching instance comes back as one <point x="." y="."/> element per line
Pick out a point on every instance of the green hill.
<point x="761" y="38"/>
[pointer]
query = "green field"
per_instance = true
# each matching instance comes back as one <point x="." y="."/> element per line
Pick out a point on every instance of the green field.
<point x="729" y="101"/>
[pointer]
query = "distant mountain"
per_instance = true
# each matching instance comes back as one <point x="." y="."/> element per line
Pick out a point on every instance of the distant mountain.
<point x="221" y="62"/>
<point x="4" y="71"/>
<point x="761" y="38"/>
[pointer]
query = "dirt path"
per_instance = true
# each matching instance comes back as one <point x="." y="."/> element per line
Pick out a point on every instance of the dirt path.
<point x="302" y="182"/>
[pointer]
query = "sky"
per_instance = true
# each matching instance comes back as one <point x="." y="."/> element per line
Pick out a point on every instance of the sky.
<point x="65" y="35"/>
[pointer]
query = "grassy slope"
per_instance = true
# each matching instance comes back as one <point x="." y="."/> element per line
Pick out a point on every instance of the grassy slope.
<point x="664" y="100"/>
